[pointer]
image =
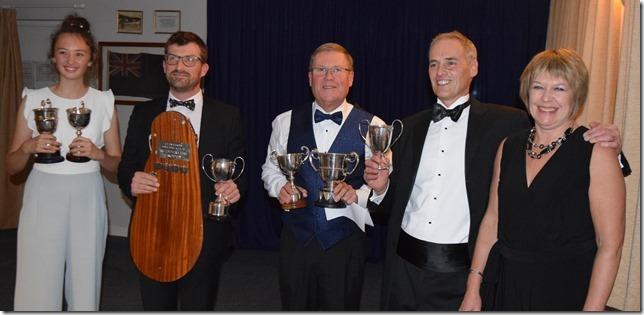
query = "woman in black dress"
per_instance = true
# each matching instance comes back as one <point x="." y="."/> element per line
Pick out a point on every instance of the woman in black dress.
<point x="552" y="235"/>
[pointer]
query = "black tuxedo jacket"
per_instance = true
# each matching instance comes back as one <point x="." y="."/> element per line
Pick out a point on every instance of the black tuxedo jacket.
<point x="221" y="135"/>
<point x="488" y="124"/>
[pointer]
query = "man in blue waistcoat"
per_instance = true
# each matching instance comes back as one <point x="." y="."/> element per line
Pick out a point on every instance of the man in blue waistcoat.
<point x="322" y="250"/>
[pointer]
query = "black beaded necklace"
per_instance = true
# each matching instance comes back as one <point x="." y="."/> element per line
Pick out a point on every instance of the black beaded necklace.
<point x="544" y="148"/>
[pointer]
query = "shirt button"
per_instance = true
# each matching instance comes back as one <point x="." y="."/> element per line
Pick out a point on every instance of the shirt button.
<point x="430" y="222"/>
<point x="435" y="198"/>
<point x="442" y="151"/>
<point x="439" y="174"/>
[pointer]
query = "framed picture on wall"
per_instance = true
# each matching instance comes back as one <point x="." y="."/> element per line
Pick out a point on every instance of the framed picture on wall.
<point x="129" y="21"/>
<point x="167" y="21"/>
<point x="132" y="70"/>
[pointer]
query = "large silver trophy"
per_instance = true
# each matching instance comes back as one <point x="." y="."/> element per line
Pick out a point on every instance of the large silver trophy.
<point x="289" y="164"/>
<point x="221" y="171"/>
<point x="378" y="137"/>
<point x="333" y="167"/>
<point x="78" y="117"/>
<point x="46" y="118"/>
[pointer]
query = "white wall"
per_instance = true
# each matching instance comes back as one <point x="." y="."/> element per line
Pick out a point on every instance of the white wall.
<point x="38" y="18"/>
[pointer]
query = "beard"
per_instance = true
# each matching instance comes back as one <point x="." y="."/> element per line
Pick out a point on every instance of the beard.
<point x="181" y="81"/>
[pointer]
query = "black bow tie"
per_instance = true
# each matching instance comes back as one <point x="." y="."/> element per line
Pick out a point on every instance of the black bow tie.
<point x="439" y="112"/>
<point x="335" y="117"/>
<point x="189" y="104"/>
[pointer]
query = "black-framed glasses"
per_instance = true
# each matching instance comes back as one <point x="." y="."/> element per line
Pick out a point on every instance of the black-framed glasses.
<point x="188" y="61"/>
<point x="333" y="70"/>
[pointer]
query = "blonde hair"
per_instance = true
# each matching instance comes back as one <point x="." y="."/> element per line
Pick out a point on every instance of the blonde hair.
<point x="561" y="63"/>
<point x="468" y="45"/>
<point x="331" y="47"/>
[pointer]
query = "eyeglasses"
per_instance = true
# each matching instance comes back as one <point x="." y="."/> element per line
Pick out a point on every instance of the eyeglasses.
<point x="188" y="61"/>
<point x="333" y="70"/>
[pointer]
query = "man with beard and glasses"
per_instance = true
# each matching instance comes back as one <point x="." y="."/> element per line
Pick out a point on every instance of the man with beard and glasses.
<point x="220" y="133"/>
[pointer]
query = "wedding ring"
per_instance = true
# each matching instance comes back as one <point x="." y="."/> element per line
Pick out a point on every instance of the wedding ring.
<point x="47" y="144"/>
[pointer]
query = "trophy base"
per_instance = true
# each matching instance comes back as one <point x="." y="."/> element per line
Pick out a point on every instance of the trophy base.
<point x="77" y="159"/>
<point x="49" y="158"/>
<point x="294" y="205"/>
<point x="217" y="211"/>
<point x="330" y="204"/>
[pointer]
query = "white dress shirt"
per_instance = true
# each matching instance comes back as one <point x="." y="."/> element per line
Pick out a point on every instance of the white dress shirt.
<point x="438" y="208"/>
<point x="194" y="116"/>
<point x="325" y="133"/>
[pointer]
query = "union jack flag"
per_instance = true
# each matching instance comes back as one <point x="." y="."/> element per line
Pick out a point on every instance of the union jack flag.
<point x="125" y="64"/>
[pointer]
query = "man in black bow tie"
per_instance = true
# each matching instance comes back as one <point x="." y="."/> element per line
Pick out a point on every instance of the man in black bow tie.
<point x="220" y="133"/>
<point x="438" y="190"/>
<point x="322" y="250"/>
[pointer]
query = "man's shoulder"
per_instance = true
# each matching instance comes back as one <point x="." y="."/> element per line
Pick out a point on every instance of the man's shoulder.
<point x="499" y="110"/>
<point x="219" y="105"/>
<point x="417" y="117"/>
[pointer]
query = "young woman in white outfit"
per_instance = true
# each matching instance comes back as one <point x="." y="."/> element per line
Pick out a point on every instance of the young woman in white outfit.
<point x="63" y="221"/>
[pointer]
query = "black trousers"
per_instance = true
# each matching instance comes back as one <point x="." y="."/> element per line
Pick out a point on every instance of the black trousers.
<point x="314" y="279"/>
<point x="197" y="290"/>
<point x="415" y="289"/>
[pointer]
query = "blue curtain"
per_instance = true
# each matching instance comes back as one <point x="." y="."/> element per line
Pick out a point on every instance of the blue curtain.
<point x="259" y="53"/>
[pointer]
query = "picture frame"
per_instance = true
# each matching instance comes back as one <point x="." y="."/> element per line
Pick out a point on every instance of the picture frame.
<point x="167" y="21"/>
<point x="129" y="21"/>
<point x="148" y="78"/>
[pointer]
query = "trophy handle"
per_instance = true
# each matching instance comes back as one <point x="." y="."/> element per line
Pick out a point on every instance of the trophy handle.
<point x="399" y="134"/>
<point x="243" y="163"/>
<point x="313" y="156"/>
<point x="307" y="152"/>
<point x="363" y="134"/>
<point x="203" y="162"/>
<point x="150" y="142"/>
<point x="352" y="158"/>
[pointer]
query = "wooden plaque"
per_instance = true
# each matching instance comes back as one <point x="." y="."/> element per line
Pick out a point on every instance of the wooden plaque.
<point x="166" y="230"/>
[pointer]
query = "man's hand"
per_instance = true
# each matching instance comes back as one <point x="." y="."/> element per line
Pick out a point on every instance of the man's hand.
<point x="143" y="183"/>
<point x="376" y="178"/>
<point x="606" y="135"/>
<point x="228" y="191"/>
<point x="286" y="192"/>
<point x="343" y="191"/>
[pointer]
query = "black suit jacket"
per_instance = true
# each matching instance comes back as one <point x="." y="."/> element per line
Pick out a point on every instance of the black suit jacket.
<point x="221" y="135"/>
<point x="488" y="124"/>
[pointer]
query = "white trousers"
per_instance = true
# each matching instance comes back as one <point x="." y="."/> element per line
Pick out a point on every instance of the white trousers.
<point x="61" y="242"/>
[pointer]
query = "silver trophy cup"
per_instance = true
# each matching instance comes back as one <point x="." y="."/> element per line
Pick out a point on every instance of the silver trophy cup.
<point x="378" y="137"/>
<point x="333" y="167"/>
<point x="220" y="170"/>
<point x="46" y="119"/>
<point x="78" y="117"/>
<point x="289" y="164"/>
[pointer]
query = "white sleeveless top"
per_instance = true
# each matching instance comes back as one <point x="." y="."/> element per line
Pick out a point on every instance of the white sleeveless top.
<point x="102" y="105"/>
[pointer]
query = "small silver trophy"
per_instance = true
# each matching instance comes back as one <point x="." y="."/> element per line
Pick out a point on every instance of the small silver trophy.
<point x="46" y="118"/>
<point x="78" y="117"/>
<point x="289" y="164"/>
<point x="221" y="171"/>
<point x="378" y="137"/>
<point x="333" y="167"/>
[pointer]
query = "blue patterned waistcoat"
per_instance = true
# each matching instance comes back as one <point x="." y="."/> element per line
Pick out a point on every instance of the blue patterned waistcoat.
<point x="307" y="223"/>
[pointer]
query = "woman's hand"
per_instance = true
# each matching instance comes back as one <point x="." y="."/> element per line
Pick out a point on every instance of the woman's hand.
<point x="43" y="143"/>
<point x="471" y="302"/>
<point x="82" y="146"/>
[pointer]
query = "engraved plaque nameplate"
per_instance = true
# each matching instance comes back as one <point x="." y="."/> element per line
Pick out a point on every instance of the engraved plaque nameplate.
<point x="174" y="150"/>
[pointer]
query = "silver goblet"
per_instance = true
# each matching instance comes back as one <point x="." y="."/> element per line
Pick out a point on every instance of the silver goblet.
<point x="46" y="119"/>
<point x="78" y="117"/>
<point x="289" y="164"/>
<point x="378" y="137"/>
<point x="221" y="171"/>
<point x="333" y="167"/>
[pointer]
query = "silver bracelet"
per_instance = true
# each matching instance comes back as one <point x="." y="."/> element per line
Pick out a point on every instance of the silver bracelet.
<point x="476" y="271"/>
